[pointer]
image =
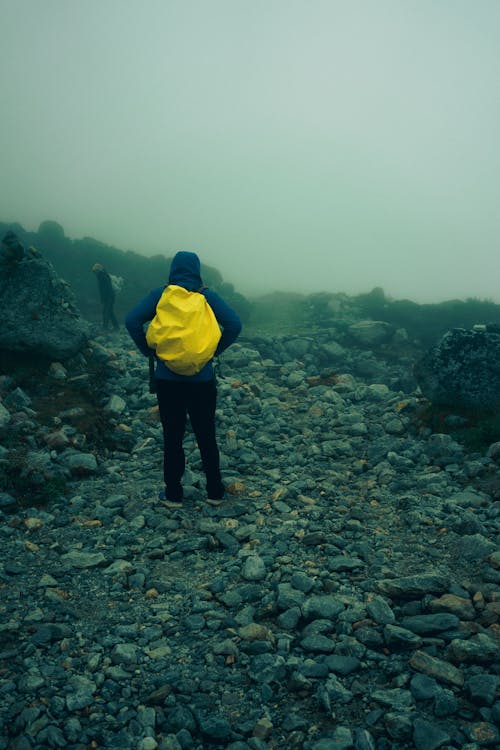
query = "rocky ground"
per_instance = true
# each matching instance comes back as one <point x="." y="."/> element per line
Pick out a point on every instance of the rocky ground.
<point x="345" y="595"/>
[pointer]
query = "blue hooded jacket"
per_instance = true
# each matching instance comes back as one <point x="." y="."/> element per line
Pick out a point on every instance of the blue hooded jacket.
<point x="185" y="271"/>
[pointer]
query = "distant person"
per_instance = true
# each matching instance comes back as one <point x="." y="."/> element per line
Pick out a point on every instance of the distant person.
<point x="180" y="396"/>
<point x="12" y="250"/>
<point x="107" y="294"/>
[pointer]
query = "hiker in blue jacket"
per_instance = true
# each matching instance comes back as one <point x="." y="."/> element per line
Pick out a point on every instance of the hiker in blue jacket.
<point x="180" y="396"/>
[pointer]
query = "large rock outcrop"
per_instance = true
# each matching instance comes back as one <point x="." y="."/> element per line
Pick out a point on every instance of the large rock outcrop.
<point x="463" y="369"/>
<point x="38" y="310"/>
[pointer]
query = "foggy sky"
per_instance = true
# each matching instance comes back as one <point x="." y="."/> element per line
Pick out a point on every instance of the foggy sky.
<point x="298" y="145"/>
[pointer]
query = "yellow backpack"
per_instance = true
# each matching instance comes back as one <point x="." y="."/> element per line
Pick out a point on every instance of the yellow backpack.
<point x="184" y="331"/>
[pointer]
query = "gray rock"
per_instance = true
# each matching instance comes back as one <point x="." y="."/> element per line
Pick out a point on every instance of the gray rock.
<point x="428" y="736"/>
<point x="337" y="691"/>
<point x="371" y="332"/>
<point x="411" y="586"/>
<point x="395" y="698"/>
<point x="254" y="568"/>
<point x="124" y="653"/>
<point x="475" y="547"/>
<point x="289" y="597"/>
<point x="318" y="644"/>
<point x="267" y="668"/>
<point x="484" y="733"/>
<point x="430" y="624"/>
<point x="423" y="688"/>
<point x="340" y="563"/>
<point x="215" y="727"/>
<point x="398" y="725"/>
<point x="119" y="568"/>
<point x="302" y="582"/>
<point x="290" y="618"/>
<point x="116" y="405"/>
<point x="79" y="463"/>
<point x="322" y="606"/>
<point x="438" y="668"/>
<point x="34" y="300"/>
<point x="482" y="688"/>
<point x="18" y="399"/>
<point x="6" y="500"/>
<point x="445" y="703"/>
<point x="457" y="605"/>
<point x="462" y="370"/>
<point x="479" y="649"/>
<point x="83" y="560"/>
<point x="82" y="693"/>
<point x="400" y="638"/>
<point x="342" y="665"/>
<point x="380" y="611"/>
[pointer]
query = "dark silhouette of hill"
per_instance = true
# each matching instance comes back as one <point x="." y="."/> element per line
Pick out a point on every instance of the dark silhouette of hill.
<point x="290" y="311"/>
<point x="73" y="261"/>
<point x="428" y="322"/>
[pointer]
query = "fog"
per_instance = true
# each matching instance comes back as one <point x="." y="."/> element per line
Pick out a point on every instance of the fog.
<point x="296" y="145"/>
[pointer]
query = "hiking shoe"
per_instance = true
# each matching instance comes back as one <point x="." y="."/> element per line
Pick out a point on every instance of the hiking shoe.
<point x="216" y="499"/>
<point x="168" y="501"/>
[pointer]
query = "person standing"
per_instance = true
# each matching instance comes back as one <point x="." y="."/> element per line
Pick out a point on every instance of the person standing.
<point x="107" y="295"/>
<point x="180" y="396"/>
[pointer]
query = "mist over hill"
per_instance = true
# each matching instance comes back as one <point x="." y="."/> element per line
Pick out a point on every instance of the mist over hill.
<point x="284" y="310"/>
<point x="73" y="260"/>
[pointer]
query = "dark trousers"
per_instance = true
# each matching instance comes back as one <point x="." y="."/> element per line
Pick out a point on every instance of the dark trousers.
<point x="108" y="314"/>
<point x="177" y="401"/>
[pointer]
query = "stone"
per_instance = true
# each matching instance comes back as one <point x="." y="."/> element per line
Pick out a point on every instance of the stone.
<point x="318" y="644"/>
<point x="482" y="688"/>
<point x="412" y="586"/>
<point x="457" y="605"/>
<point x="83" y="560"/>
<point x="371" y="332"/>
<point x="479" y="649"/>
<point x="423" y="688"/>
<point x="80" y="463"/>
<point x="397" y="637"/>
<point x="254" y="568"/>
<point x="322" y="606"/>
<point x="428" y="736"/>
<point x="445" y="703"/>
<point x="430" y="624"/>
<point x="484" y="733"/>
<point x="462" y="370"/>
<point x="437" y="668"/>
<point x="38" y="311"/>
<point x="380" y="611"/>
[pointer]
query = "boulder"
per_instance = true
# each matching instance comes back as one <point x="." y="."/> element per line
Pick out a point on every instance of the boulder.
<point x="371" y="332"/>
<point x="462" y="370"/>
<point x="38" y="310"/>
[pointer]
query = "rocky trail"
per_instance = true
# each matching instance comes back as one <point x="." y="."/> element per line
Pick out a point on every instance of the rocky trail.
<point x="345" y="595"/>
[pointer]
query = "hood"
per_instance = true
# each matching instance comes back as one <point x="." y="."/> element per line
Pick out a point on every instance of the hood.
<point x="185" y="271"/>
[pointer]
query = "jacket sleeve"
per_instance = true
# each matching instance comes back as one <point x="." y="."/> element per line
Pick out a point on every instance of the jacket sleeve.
<point x="141" y="314"/>
<point x="227" y="318"/>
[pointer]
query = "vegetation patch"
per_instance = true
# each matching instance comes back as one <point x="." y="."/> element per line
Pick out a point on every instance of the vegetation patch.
<point x="475" y="429"/>
<point x="28" y="471"/>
